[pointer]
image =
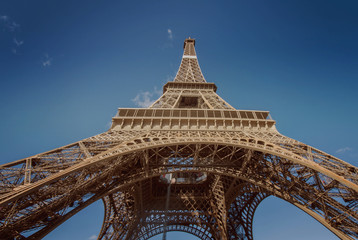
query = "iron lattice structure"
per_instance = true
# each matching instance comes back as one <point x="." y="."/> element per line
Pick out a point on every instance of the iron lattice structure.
<point x="223" y="162"/>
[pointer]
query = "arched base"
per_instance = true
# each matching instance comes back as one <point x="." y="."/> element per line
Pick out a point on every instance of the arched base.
<point x="128" y="180"/>
<point x="222" y="208"/>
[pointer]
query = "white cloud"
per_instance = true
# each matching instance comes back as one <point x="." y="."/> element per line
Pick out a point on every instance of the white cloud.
<point x="46" y="61"/>
<point x="145" y="99"/>
<point x="93" y="237"/>
<point x="18" y="43"/>
<point x="170" y="34"/>
<point x="343" y="150"/>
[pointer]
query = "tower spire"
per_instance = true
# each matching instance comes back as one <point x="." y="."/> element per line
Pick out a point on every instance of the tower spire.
<point x="189" y="45"/>
<point x="189" y="70"/>
<point x="189" y="88"/>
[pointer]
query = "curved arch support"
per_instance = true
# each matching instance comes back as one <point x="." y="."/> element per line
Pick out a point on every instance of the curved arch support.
<point x="144" y="143"/>
<point x="282" y="173"/>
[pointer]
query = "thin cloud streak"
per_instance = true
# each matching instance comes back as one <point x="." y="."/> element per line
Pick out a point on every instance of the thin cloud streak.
<point x="11" y="26"/>
<point x="47" y="61"/>
<point x="18" y="43"/>
<point x="343" y="150"/>
<point x="170" y="34"/>
<point x="93" y="237"/>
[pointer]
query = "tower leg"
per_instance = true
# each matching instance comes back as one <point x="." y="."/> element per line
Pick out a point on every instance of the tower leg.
<point x="241" y="212"/>
<point x="219" y="209"/>
<point x="119" y="216"/>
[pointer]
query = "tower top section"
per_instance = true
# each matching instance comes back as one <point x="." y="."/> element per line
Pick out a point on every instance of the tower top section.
<point x="189" y="42"/>
<point x="189" y="70"/>
<point x="190" y="103"/>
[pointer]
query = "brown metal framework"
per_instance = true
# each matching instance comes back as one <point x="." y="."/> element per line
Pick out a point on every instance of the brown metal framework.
<point x="189" y="131"/>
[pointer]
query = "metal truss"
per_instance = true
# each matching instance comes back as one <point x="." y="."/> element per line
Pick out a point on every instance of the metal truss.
<point x="239" y="155"/>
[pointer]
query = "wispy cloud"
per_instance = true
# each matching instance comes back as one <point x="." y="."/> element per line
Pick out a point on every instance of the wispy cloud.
<point x="8" y="23"/>
<point x="170" y="34"/>
<point x="145" y="99"/>
<point x="343" y="150"/>
<point x="46" y="61"/>
<point x="18" y="42"/>
<point x="11" y="26"/>
<point x="109" y="124"/>
<point x="169" y="78"/>
<point x="93" y="237"/>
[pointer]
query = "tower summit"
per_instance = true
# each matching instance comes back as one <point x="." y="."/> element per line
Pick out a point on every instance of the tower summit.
<point x="189" y="88"/>
<point x="189" y="70"/>
<point x="221" y="163"/>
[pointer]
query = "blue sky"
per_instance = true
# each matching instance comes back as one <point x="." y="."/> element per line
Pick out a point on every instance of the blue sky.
<point x="66" y="66"/>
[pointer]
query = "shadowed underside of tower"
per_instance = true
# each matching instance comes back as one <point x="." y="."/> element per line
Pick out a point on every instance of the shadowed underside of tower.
<point x="190" y="162"/>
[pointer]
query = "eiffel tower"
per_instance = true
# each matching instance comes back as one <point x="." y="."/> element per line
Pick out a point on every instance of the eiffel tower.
<point x="190" y="162"/>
